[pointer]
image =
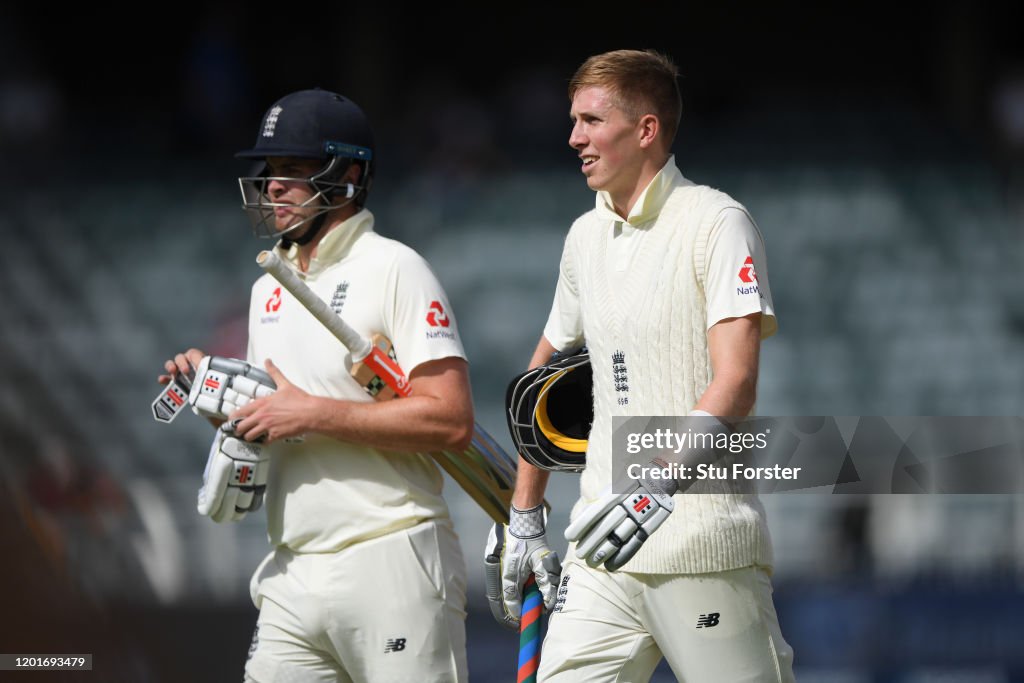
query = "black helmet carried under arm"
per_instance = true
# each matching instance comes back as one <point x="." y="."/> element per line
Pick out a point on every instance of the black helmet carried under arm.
<point x="550" y="410"/>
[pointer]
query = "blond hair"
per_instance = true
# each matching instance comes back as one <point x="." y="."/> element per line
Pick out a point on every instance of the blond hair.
<point x="640" y="82"/>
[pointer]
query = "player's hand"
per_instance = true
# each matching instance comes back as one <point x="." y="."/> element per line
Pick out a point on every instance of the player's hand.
<point x="611" y="530"/>
<point x="235" y="478"/>
<point x="513" y="553"/>
<point x="183" y="363"/>
<point x="223" y="385"/>
<point x="284" y="414"/>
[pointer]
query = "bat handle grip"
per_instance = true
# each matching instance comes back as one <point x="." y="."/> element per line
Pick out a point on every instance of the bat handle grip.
<point x="529" y="632"/>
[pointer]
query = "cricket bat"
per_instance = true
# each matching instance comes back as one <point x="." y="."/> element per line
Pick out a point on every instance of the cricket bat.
<point x="484" y="471"/>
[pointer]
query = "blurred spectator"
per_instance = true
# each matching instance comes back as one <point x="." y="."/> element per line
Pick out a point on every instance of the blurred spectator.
<point x="216" y="80"/>
<point x="31" y="103"/>
<point x="1008" y="112"/>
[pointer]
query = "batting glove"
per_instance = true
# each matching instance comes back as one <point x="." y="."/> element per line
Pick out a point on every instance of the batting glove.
<point x="513" y="553"/>
<point x="611" y="530"/>
<point x="223" y="385"/>
<point x="235" y="478"/>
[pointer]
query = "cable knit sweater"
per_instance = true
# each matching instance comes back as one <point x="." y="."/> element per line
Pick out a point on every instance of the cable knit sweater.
<point x="652" y="333"/>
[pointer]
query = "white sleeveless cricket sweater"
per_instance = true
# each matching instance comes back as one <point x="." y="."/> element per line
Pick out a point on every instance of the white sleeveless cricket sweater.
<point x="649" y="352"/>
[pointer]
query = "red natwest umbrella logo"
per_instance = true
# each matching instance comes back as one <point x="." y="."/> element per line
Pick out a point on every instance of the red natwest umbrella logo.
<point x="436" y="317"/>
<point x="274" y="302"/>
<point x="747" y="273"/>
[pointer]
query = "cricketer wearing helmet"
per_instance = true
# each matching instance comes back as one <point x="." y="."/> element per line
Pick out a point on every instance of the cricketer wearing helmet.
<point x="365" y="580"/>
<point x="665" y="282"/>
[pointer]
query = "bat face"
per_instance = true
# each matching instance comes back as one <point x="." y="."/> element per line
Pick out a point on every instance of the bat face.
<point x="484" y="471"/>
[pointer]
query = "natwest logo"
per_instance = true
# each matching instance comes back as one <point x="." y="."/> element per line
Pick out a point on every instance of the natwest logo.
<point x="274" y="302"/>
<point x="436" y="317"/>
<point x="747" y="273"/>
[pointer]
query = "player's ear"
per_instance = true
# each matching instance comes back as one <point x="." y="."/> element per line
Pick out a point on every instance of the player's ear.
<point x="648" y="127"/>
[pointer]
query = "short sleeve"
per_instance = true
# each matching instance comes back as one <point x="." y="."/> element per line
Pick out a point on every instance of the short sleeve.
<point x="564" y="329"/>
<point x="419" y="319"/>
<point x="736" y="282"/>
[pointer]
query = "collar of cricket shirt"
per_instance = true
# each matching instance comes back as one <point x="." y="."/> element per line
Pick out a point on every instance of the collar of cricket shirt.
<point x="650" y="202"/>
<point x="335" y="245"/>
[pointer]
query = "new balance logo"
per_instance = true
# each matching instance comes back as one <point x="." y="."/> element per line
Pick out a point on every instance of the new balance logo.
<point x="708" y="620"/>
<point x="394" y="645"/>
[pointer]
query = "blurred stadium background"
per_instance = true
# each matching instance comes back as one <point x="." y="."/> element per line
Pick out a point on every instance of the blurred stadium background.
<point x="880" y="150"/>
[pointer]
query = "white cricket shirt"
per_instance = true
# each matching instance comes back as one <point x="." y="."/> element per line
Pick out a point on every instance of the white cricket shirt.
<point x="324" y="494"/>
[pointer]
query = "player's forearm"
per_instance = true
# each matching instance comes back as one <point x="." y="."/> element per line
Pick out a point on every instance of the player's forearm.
<point x="414" y="424"/>
<point x="531" y="481"/>
<point x="530" y="485"/>
<point x="542" y="353"/>
<point x="731" y="396"/>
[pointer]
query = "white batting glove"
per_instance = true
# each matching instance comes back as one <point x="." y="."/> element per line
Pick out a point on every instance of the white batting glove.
<point x="611" y="530"/>
<point x="223" y="385"/>
<point x="513" y="553"/>
<point x="235" y="477"/>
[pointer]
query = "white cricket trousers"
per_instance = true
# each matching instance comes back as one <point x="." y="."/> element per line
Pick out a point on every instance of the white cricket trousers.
<point x="616" y="626"/>
<point x="390" y="609"/>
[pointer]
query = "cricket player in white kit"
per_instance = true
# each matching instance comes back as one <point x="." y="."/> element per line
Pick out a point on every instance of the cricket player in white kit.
<point x="666" y="284"/>
<point x="365" y="581"/>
